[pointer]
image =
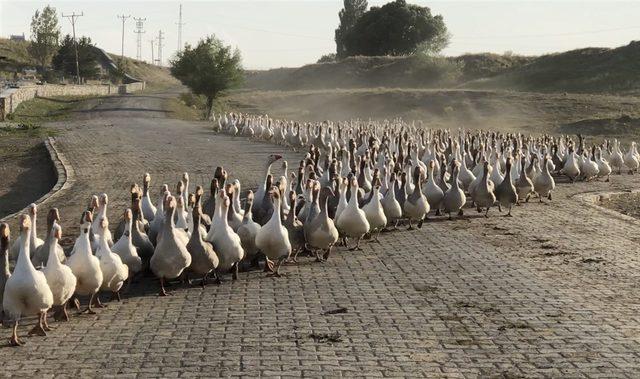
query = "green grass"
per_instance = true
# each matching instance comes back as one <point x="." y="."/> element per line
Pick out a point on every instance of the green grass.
<point x="192" y="107"/>
<point x="39" y="110"/>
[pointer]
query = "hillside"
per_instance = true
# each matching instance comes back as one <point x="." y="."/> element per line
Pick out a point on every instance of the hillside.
<point x="397" y="72"/>
<point x="15" y="56"/>
<point x="590" y="70"/>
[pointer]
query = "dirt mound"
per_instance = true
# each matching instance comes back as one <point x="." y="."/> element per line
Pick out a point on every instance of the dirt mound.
<point x="620" y="126"/>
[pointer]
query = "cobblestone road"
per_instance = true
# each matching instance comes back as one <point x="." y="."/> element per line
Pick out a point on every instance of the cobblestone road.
<point x="551" y="292"/>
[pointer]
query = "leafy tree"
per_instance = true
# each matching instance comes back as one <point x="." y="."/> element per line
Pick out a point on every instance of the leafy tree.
<point x="397" y="28"/>
<point x="45" y="35"/>
<point x="123" y="67"/>
<point x="208" y="69"/>
<point x="352" y="11"/>
<point x="65" y="60"/>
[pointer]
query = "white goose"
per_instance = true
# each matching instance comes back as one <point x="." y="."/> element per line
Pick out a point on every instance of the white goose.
<point x="248" y="231"/>
<point x="225" y="241"/>
<point x="432" y="191"/>
<point x="26" y="292"/>
<point x="5" y="237"/>
<point x="390" y="205"/>
<point x="114" y="272"/>
<point x="148" y="209"/>
<point x="273" y="239"/>
<point x="374" y="211"/>
<point x="124" y="246"/>
<point x="60" y="278"/>
<point x="353" y="222"/>
<point x="84" y="265"/>
<point x="170" y="257"/>
<point x="41" y="254"/>
<point x="204" y="259"/>
<point x="544" y="183"/>
<point x="35" y="242"/>
<point x="416" y="206"/>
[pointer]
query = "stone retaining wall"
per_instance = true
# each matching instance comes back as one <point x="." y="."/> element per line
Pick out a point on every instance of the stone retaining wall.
<point x="11" y="98"/>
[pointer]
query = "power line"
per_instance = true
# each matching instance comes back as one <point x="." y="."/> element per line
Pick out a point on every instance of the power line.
<point x="73" y="16"/>
<point x="124" y="18"/>
<point x="180" y="24"/>
<point x="139" y="31"/>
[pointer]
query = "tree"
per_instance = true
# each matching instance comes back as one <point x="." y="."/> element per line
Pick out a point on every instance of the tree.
<point x="45" y="35"/>
<point x="397" y="28"/>
<point x="208" y="69"/>
<point x="65" y="60"/>
<point x="352" y="11"/>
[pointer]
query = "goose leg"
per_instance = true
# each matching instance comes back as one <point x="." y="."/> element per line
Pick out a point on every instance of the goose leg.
<point x="438" y="212"/>
<point x="268" y="265"/>
<point x="318" y="257"/>
<point x="38" y="329"/>
<point x="234" y="276"/>
<point x="89" y="310"/>
<point x="420" y="223"/>
<point x="410" y="225"/>
<point x="357" y="246"/>
<point x="115" y="295"/>
<point x="460" y="213"/>
<point x="327" y="253"/>
<point x="97" y="303"/>
<point x="549" y="196"/>
<point x="14" y="340"/>
<point x="499" y="208"/>
<point x="216" y="278"/>
<point x="449" y="216"/>
<point x="509" y="213"/>
<point x="65" y="314"/>
<point x="162" y="292"/>
<point x="204" y="280"/>
<point x="486" y="214"/>
<point x="45" y="324"/>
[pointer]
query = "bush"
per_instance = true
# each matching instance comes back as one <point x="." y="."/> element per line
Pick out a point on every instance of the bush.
<point x="327" y="58"/>
<point x="433" y="69"/>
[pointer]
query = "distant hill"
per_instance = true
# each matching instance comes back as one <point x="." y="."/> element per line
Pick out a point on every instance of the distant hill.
<point x="14" y="55"/>
<point x="589" y="70"/>
<point x="396" y="72"/>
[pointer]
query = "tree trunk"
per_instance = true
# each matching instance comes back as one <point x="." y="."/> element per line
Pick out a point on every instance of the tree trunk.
<point x="209" y="107"/>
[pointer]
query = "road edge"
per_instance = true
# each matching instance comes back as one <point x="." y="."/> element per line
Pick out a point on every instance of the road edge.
<point x="64" y="173"/>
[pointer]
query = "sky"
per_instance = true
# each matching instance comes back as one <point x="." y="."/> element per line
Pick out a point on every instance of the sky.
<point x="274" y="34"/>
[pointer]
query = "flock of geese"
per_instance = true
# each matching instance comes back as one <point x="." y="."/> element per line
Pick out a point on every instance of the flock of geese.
<point x="356" y="180"/>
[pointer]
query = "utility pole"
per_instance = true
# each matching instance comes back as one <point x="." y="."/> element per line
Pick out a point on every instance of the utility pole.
<point x="180" y="24"/>
<point x="124" y="18"/>
<point x="160" y="48"/>
<point x="153" y="61"/>
<point x="139" y="31"/>
<point x="73" y="16"/>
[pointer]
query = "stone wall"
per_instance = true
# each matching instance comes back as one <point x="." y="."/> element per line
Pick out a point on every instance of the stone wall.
<point x="11" y="98"/>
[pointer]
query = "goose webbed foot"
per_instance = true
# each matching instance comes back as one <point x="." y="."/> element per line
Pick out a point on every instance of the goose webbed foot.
<point x="479" y="209"/>
<point x="438" y="212"/>
<point x="61" y="313"/>
<point x="608" y="178"/>
<point x="410" y="225"/>
<point x="499" y="208"/>
<point x="204" y="280"/>
<point x="460" y="213"/>
<point x="38" y="330"/>
<point x="486" y="214"/>
<point x="526" y="200"/>
<point x="268" y="265"/>
<point x="45" y="323"/>
<point x="318" y="257"/>
<point x="549" y="196"/>
<point x="88" y="310"/>
<point x="420" y="223"/>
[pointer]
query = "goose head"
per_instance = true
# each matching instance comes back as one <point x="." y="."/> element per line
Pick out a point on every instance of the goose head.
<point x="146" y="180"/>
<point x="33" y="210"/>
<point x="24" y="224"/>
<point x="85" y="221"/>
<point x="273" y="158"/>
<point x="56" y="233"/>
<point x="185" y="177"/>
<point x="179" y="188"/>
<point x="104" y="199"/>
<point x="93" y="203"/>
<point x="169" y="203"/>
<point x="53" y="217"/>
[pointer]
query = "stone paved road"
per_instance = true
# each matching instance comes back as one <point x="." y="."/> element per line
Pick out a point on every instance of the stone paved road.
<point x="551" y="292"/>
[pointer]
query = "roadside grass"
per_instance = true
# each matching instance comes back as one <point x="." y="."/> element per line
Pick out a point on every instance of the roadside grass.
<point x="190" y="107"/>
<point x="42" y="109"/>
